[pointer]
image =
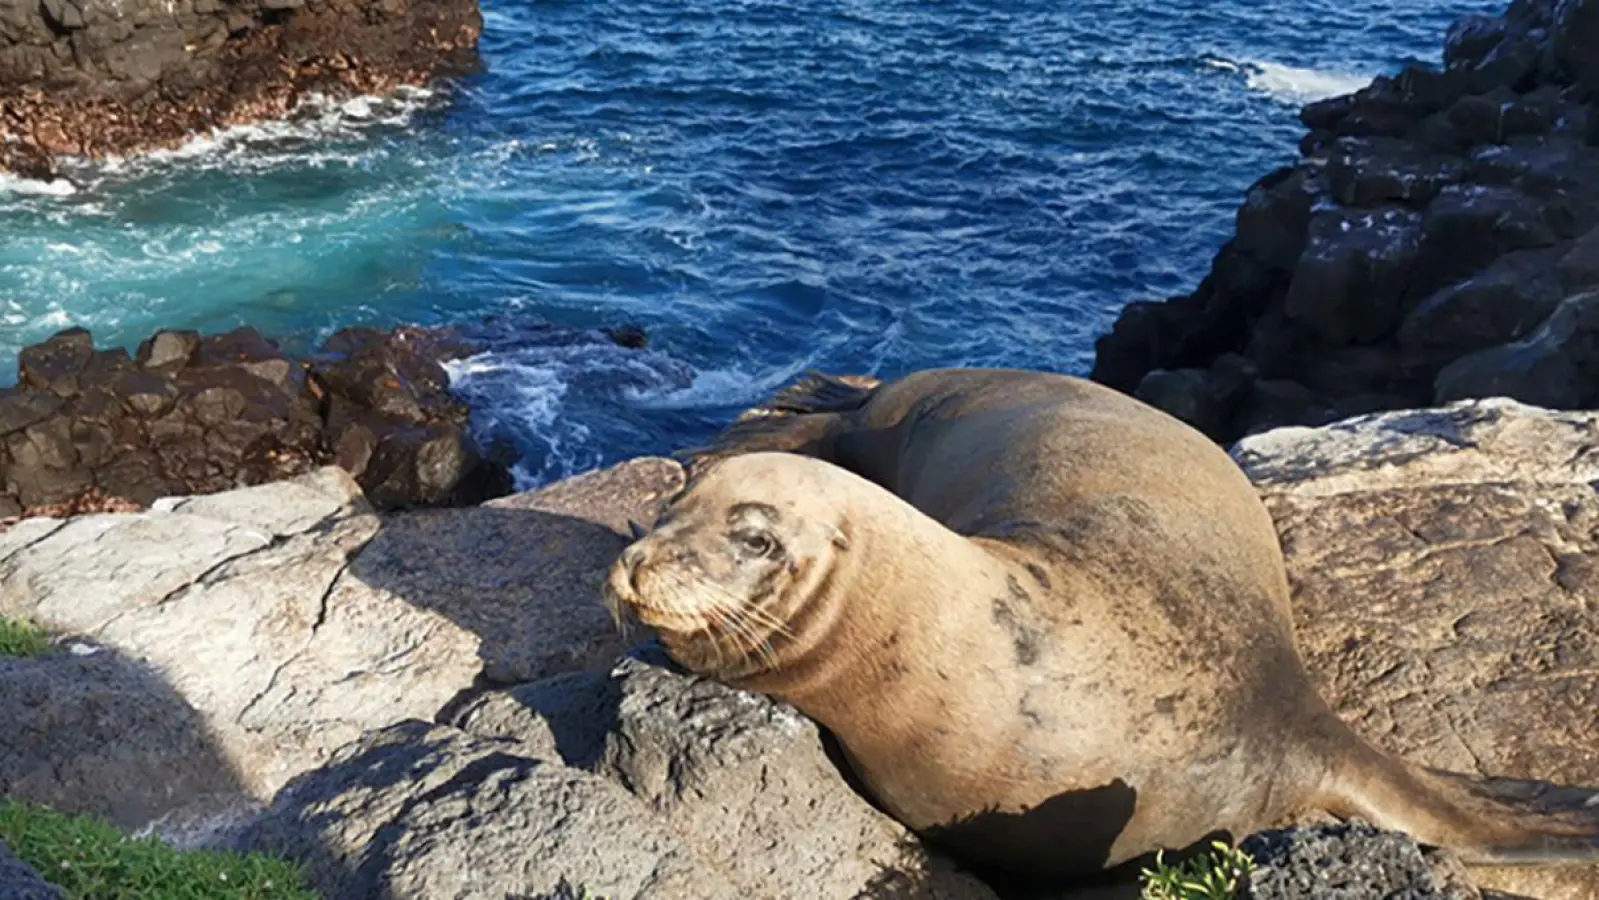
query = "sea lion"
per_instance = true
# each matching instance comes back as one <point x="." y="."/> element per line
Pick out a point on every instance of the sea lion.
<point x="1047" y="623"/>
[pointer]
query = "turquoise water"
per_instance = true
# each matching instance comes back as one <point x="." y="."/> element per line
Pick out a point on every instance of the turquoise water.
<point x="856" y="185"/>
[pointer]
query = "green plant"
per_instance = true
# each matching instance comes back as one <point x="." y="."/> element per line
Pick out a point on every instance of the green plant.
<point x="22" y="639"/>
<point x="92" y="860"/>
<point x="1209" y="876"/>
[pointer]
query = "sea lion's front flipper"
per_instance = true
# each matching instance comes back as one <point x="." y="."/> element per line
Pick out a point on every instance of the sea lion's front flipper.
<point x="798" y="419"/>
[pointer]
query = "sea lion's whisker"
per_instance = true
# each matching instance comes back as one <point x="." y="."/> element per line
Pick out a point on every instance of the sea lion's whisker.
<point x="761" y="646"/>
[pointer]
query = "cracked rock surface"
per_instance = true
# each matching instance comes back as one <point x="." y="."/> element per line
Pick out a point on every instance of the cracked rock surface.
<point x="1445" y="572"/>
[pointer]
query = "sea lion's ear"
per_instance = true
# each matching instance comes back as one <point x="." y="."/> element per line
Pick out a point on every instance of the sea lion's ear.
<point x="638" y="530"/>
<point x="838" y="537"/>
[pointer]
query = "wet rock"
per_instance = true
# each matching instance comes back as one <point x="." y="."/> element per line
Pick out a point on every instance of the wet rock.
<point x="1348" y="284"/>
<point x="1199" y="397"/>
<point x="1469" y="226"/>
<point x="1368" y="172"/>
<point x="1276" y="402"/>
<point x="196" y="414"/>
<point x="1576" y="34"/>
<point x="168" y="349"/>
<point x="630" y="336"/>
<point x="1432" y="217"/>
<point x="1578" y="267"/>
<point x="1503" y="303"/>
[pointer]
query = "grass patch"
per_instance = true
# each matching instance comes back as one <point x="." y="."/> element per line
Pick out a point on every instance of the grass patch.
<point x="22" y="639"/>
<point x="1209" y="876"/>
<point x="92" y="860"/>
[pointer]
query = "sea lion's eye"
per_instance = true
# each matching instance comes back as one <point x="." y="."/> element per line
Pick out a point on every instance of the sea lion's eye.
<point x="756" y="543"/>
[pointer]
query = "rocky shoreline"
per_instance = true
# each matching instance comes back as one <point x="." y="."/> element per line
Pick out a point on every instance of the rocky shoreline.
<point x="264" y="643"/>
<point x="433" y="703"/>
<point x="98" y="78"/>
<point x="87" y="429"/>
<point x="1438" y="240"/>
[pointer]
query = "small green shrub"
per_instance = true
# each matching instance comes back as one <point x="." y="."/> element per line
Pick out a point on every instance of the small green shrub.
<point x="22" y="639"/>
<point x="1209" y="876"/>
<point x="92" y="860"/>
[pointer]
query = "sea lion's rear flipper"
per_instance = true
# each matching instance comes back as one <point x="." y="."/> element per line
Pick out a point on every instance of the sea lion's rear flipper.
<point x="1485" y="821"/>
<point x="798" y="419"/>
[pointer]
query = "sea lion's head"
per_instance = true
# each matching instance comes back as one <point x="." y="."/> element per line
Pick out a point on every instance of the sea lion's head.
<point x="746" y="550"/>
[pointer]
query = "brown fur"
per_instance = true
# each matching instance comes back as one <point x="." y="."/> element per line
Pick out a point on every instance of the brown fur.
<point x="1048" y="624"/>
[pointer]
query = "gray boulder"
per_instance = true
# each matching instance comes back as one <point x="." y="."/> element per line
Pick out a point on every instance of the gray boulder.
<point x="1442" y="564"/>
<point x="640" y="782"/>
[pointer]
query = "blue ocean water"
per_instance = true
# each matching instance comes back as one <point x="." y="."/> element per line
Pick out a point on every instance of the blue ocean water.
<point x="855" y="185"/>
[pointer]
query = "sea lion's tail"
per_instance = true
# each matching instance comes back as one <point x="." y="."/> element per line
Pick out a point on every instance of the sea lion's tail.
<point x="797" y="419"/>
<point x="1485" y="821"/>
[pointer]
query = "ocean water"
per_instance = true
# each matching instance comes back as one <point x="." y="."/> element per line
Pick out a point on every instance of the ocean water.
<point x="853" y="185"/>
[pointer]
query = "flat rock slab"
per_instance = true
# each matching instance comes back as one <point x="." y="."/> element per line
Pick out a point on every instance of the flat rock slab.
<point x="273" y="624"/>
<point x="241" y="603"/>
<point x="1445" y="568"/>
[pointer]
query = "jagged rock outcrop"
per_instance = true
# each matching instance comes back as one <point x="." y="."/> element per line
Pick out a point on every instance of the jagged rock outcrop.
<point x="110" y="77"/>
<point x="89" y="429"/>
<point x="1438" y="240"/>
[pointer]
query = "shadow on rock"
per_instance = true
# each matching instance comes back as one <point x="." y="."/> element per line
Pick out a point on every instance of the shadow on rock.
<point x="91" y="730"/>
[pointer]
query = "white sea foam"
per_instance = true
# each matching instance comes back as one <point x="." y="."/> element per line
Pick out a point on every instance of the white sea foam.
<point x="59" y="187"/>
<point x="309" y="135"/>
<point x="535" y="395"/>
<point x="713" y="388"/>
<point x="1291" y="84"/>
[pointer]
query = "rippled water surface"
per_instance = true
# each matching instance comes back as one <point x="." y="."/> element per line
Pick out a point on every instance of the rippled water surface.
<point x="855" y="185"/>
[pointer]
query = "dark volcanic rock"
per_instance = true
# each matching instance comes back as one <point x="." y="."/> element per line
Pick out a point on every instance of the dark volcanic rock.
<point x="1556" y="367"/>
<point x="1351" y="861"/>
<point x="1420" y="249"/>
<point x="98" y="77"/>
<point x="188" y="414"/>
